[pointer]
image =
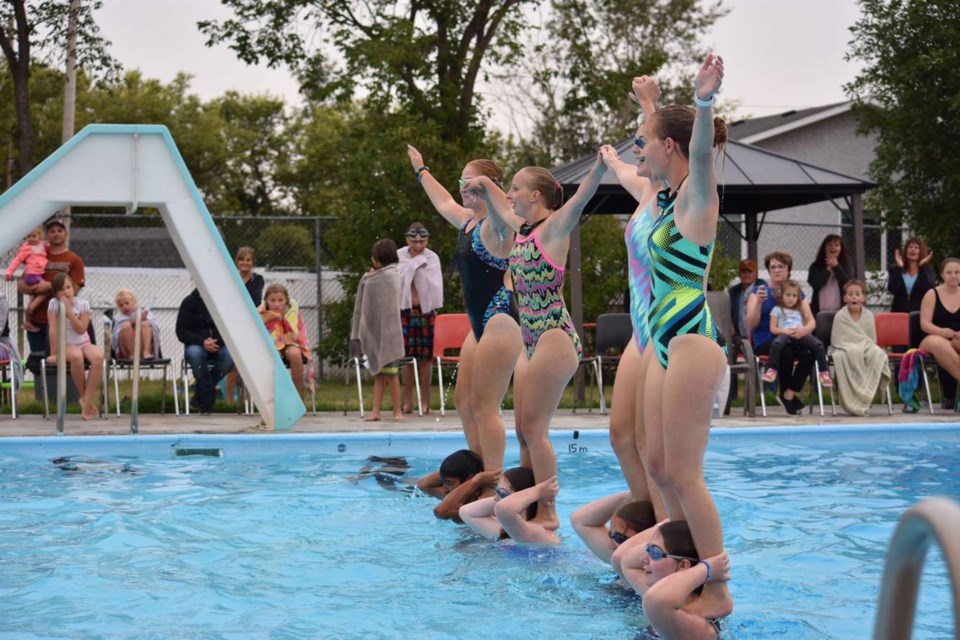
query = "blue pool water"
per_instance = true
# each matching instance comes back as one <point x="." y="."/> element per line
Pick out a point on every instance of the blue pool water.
<point x="271" y="541"/>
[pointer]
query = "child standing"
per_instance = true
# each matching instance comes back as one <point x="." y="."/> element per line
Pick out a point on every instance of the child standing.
<point x="33" y="255"/>
<point x="861" y="365"/>
<point x="79" y="347"/>
<point x="283" y="320"/>
<point x="123" y="337"/>
<point x="376" y="324"/>
<point x="788" y="324"/>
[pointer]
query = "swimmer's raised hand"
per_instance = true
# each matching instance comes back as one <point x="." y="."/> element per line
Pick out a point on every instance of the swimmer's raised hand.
<point x="416" y="158"/>
<point x="488" y="478"/>
<point x="645" y="90"/>
<point x="477" y="186"/>
<point x="709" y="78"/>
<point x="548" y="489"/>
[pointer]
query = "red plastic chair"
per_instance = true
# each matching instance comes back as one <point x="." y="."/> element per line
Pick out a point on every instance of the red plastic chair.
<point x="449" y="332"/>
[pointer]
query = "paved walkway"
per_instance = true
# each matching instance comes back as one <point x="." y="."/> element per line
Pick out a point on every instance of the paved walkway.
<point x="336" y="422"/>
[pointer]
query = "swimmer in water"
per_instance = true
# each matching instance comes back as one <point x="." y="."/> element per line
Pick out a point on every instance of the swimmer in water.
<point x="609" y="522"/>
<point x="512" y="510"/>
<point x="460" y="480"/>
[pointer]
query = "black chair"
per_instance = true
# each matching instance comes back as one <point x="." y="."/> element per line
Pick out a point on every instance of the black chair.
<point x="823" y="331"/>
<point x="126" y="364"/>
<point x="740" y="357"/>
<point x="613" y="334"/>
<point x="37" y="364"/>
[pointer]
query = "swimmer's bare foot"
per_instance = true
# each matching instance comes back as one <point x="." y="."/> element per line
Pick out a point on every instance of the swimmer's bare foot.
<point x="372" y="417"/>
<point x="714" y="602"/>
<point x="398" y="417"/>
<point x="88" y="410"/>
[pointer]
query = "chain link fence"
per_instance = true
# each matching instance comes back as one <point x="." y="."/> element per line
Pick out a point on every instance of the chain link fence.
<point x="802" y="240"/>
<point x="136" y="252"/>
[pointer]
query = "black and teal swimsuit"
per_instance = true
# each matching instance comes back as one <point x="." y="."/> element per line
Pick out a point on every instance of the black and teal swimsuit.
<point x="482" y="275"/>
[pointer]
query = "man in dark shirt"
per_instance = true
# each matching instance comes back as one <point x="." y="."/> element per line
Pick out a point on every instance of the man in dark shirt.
<point x="204" y="349"/>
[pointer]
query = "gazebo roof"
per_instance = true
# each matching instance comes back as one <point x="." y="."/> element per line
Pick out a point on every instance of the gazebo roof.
<point x="752" y="180"/>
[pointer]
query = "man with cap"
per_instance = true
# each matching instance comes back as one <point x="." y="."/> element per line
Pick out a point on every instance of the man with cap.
<point x="421" y="294"/>
<point x="739" y="294"/>
<point x="59" y="260"/>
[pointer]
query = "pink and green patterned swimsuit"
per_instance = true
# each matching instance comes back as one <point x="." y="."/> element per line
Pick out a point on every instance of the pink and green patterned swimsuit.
<point x="538" y="284"/>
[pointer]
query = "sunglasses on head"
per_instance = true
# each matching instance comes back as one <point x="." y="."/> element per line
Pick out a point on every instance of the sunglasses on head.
<point x="419" y="232"/>
<point x="617" y="537"/>
<point x="501" y="492"/>
<point x="657" y="553"/>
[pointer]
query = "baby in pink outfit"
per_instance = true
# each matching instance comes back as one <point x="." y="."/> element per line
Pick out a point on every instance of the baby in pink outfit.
<point x="33" y="255"/>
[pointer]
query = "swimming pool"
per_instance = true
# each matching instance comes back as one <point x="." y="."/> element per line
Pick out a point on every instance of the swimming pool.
<point x="269" y="540"/>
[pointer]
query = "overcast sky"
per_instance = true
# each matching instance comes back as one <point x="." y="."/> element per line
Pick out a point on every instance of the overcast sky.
<point x="779" y="54"/>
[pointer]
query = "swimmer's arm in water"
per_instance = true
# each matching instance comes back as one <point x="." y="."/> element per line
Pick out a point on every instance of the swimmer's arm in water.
<point x="664" y="602"/>
<point x="431" y="484"/>
<point x="590" y="523"/>
<point x="511" y="512"/>
<point x="467" y="492"/>
<point x="478" y="516"/>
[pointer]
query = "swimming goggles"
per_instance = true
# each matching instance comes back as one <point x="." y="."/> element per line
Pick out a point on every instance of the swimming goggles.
<point x="617" y="537"/>
<point x="501" y="492"/>
<point x="419" y="232"/>
<point x="640" y="142"/>
<point x="657" y="553"/>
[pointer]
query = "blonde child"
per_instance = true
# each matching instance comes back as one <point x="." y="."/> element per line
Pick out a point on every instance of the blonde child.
<point x="124" y="336"/>
<point x="376" y="324"/>
<point x="788" y="324"/>
<point x="861" y="366"/>
<point x="79" y="347"/>
<point x="33" y="255"/>
<point x="284" y="322"/>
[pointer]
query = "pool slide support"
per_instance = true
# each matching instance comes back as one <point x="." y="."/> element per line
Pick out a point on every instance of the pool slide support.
<point x="931" y="520"/>
<point x="139" y="166"/>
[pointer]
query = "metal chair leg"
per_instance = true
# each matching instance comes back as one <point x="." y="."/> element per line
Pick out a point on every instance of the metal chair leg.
<point x="416" y="382"/>
<point x="926" y="381"/>
<point x="761" y="391"/>
<point x="598" y="374"/>
<point x="443" y="400"/>
<point x="356" y="362"/>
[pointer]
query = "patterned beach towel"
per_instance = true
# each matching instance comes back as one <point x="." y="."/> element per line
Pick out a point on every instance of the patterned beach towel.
<point x="909" y="379"/>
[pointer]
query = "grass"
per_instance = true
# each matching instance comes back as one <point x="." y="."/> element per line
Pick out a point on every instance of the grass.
<point x="330" y="397"/>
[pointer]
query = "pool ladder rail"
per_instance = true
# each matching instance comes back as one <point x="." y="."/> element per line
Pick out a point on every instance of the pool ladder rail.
<point x="934" y="519"/>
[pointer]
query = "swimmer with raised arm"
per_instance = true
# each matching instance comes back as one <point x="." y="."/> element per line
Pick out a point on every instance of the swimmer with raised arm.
<point x="605" y="524"/>
<point x="489" y="354"/>
<point x="686" y="363"/>
<point x="491" y="518"/>
<point x="670" y="575"/>
<point x="534" y="209"/>
<point x="460" y="480"/>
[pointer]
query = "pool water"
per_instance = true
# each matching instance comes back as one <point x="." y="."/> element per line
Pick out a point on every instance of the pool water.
<point x="270" y="540"/>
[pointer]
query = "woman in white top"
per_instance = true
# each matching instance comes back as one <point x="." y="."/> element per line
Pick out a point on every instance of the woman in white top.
<point x="79" y="347"/>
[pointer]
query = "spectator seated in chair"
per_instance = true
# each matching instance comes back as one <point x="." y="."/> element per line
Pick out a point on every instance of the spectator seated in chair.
<point x="284" y="323"/>
<point x="204" y="349"/>
<point x="123" y="337"/>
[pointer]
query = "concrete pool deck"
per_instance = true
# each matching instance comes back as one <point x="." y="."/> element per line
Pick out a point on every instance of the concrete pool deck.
<point x="336" y="422"/>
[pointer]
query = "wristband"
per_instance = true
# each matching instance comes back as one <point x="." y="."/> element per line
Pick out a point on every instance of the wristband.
<point x="704" y="103"/>
<point x="420" y="172"/>
<point x="709" y="571"/>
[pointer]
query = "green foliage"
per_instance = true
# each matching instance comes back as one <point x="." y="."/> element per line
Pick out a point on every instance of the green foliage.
<point x="585" y="57"/>
<point x="425" y="56"/>
<point x="723" y="268"/>
<point x="909" y="94"/>
<point x="603" y="264"/>
<point x="285" y="245"/>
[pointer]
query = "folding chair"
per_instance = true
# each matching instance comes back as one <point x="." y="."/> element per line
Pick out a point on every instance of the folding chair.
<point x="126" y="364"/>
<point x="823" y="331"/>
<point x="353" y="362"/>
<point x="893" y="332"/>
<point x="449" y="332"/>
<point x="739" y="356"/>
<point x="8" y="385"/>
<point x="614" y="331"/>
<point x="916" y="337"/>
<point x="37" y="363"/>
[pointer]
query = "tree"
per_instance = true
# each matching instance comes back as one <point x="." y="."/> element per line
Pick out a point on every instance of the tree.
<point x="909" y="94"/>
<point x="582" y="61"/>
<point x="425" y="55"/>
<point x="40" y="32"/>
